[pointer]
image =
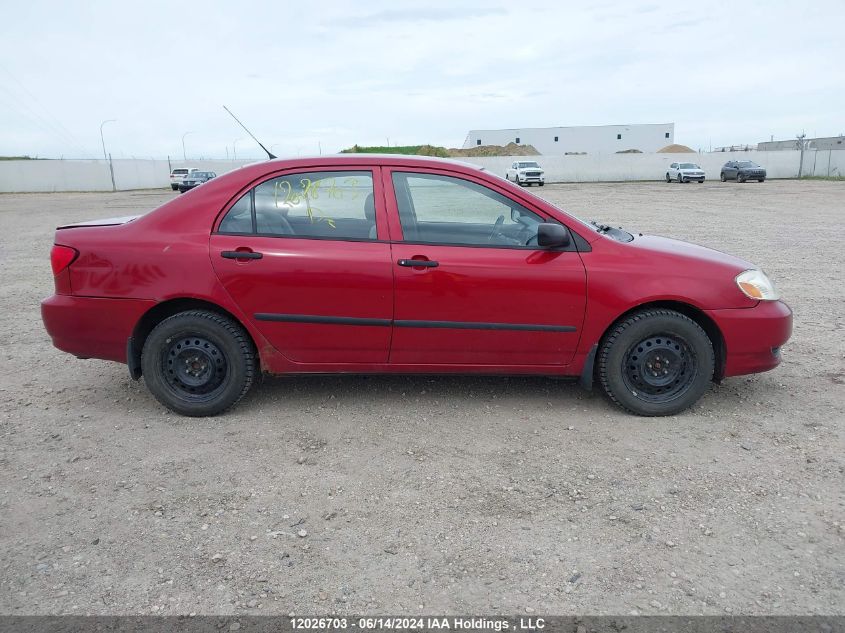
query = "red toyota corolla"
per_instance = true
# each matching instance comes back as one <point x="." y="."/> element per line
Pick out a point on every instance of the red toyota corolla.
<point x="366" y="264"/>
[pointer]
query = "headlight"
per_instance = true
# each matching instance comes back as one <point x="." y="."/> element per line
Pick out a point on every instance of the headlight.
<point x="755" y="285"/>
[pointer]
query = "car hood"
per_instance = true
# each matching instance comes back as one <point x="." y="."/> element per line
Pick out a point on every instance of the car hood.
<point x="672" y="249"/>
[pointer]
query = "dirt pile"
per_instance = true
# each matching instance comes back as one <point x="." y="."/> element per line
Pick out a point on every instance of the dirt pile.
<point x="674" y="148"/>
<point x="511" y="149"/>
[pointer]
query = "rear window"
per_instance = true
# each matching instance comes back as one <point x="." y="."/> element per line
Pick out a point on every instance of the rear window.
<point x="179" y="172"/>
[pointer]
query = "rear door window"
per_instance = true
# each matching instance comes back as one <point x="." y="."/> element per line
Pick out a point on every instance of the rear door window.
<point x="323" y="205"/>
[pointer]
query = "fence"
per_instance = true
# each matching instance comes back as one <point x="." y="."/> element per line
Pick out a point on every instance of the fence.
<point x="95" y="175"/>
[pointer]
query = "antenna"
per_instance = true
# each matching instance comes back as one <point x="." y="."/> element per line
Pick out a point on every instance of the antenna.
<point x="269" y="155"/>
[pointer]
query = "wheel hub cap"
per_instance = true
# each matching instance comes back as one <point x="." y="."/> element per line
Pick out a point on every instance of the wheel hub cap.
<point x="659" y="368"/>
<point x="194" y="366"/>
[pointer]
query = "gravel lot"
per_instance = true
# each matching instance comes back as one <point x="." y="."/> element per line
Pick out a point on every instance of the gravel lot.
<point x="435" y="495"/>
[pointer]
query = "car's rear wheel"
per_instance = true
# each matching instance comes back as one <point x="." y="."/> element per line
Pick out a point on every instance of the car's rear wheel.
<point x="656" y="362"/>
<point x="198" y="363"/>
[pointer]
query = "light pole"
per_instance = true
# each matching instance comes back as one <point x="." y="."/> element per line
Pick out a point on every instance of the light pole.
<point x="235" y="148"/>
<point x="184" y="157"/>
<point x="102" y="140"/>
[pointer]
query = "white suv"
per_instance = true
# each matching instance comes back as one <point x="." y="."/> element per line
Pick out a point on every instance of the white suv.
<point x="178" y="175"/>
<point x="684" y="172"/>
<point x="524" y="172"/>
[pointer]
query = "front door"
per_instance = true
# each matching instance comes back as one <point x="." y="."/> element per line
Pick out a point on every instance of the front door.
<point x="471" y="285"/>
<point x="299" y="254"/>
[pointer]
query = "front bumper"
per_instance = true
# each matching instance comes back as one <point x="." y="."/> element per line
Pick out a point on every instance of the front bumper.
<point x="90" y="327"/>
<point x="753" y="336"/>
<point x="692" y="177"/>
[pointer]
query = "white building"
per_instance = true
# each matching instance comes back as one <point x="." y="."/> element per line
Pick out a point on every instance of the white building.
<point x="590" y="139"/>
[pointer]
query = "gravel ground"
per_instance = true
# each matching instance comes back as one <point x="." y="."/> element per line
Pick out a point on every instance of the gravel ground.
<point x="427" y="495"/>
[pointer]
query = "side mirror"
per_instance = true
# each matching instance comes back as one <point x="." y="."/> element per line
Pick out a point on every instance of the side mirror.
<point x="552" y="235"/>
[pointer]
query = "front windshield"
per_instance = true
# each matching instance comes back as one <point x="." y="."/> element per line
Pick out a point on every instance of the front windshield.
<point x="689" y="166"/>
<point x="529" y="164"/>
<point x="746" y="163"/>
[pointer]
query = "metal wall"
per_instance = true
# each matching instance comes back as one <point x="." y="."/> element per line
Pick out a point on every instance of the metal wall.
<point x="94" y="175"/>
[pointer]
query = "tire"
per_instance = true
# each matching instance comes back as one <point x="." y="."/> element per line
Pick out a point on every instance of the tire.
<point x="762" y="180"/>
<point x="701" y="181"/>
<point x="739" y="178"/>
<point x="542" y="183"/>
<point x="668" y="178"/>
<point x="680" y="179"/>
<point x="659" y="338"/>
<point x="198" y="341"/>
<point x="174" y="187"/>
<point x="723" y="178"/>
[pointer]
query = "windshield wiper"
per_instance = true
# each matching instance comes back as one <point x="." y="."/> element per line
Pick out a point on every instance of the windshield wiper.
<point x="602" y="228"/>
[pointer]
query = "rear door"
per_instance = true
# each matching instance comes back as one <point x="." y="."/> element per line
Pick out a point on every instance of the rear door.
<point x="472" y="287"/>
<point x="300" y="255"/>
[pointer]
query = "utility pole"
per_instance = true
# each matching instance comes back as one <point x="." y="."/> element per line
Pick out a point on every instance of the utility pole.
<point x="800" y="138"/>
<point x="102" y="140"/>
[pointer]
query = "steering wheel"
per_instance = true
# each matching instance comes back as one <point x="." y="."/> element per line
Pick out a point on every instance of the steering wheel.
<point x="496" y="227"/>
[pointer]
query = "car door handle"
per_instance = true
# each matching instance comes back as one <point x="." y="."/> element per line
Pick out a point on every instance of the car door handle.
<point x="422" y="263"/>
<point x="241" y="255"/>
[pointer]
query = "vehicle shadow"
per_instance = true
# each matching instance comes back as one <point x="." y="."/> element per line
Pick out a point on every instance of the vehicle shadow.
<point x="310" y="389"/>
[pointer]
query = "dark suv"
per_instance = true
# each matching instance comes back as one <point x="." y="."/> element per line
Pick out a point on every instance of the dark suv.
<point x="742" y="170"/>
<point x="195" y="179"/>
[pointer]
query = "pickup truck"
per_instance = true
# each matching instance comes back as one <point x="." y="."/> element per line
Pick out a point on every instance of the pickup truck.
<point x="525" y="172"/>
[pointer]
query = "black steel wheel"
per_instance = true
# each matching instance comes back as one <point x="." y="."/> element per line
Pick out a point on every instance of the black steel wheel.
<point x="656" y="362"/>
<point x="198" y="363"/>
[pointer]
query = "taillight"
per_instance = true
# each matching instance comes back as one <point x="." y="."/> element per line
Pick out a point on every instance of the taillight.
<point x="61" y="257"/>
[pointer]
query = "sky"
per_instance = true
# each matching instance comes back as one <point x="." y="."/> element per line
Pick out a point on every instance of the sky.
<point x="310" y="78"/>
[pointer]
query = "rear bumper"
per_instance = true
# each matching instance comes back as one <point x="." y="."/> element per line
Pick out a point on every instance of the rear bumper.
<point x="753" y="336"/>
<point x="90" y="327"/>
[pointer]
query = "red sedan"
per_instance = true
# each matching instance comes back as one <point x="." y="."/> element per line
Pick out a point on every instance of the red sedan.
<point x="368" y="264"/>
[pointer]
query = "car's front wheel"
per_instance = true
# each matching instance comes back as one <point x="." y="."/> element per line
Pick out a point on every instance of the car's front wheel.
<point x="198" y="363"/>
<point x="740" y="178"/>
<point x="680" y="178"/>
<point x="655" y="362"/>
<point x="668" y="178"/>
<point x="722" y="177"/>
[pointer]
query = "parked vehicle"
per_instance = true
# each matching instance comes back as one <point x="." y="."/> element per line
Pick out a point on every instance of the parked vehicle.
<point x="195" y="179"/>
<point x="684" y="172"/>
<point x="178" y="175"/>
<point x="526" y="172"/>
<point x="742" y="170"/>
<point x="392" y="264"/>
